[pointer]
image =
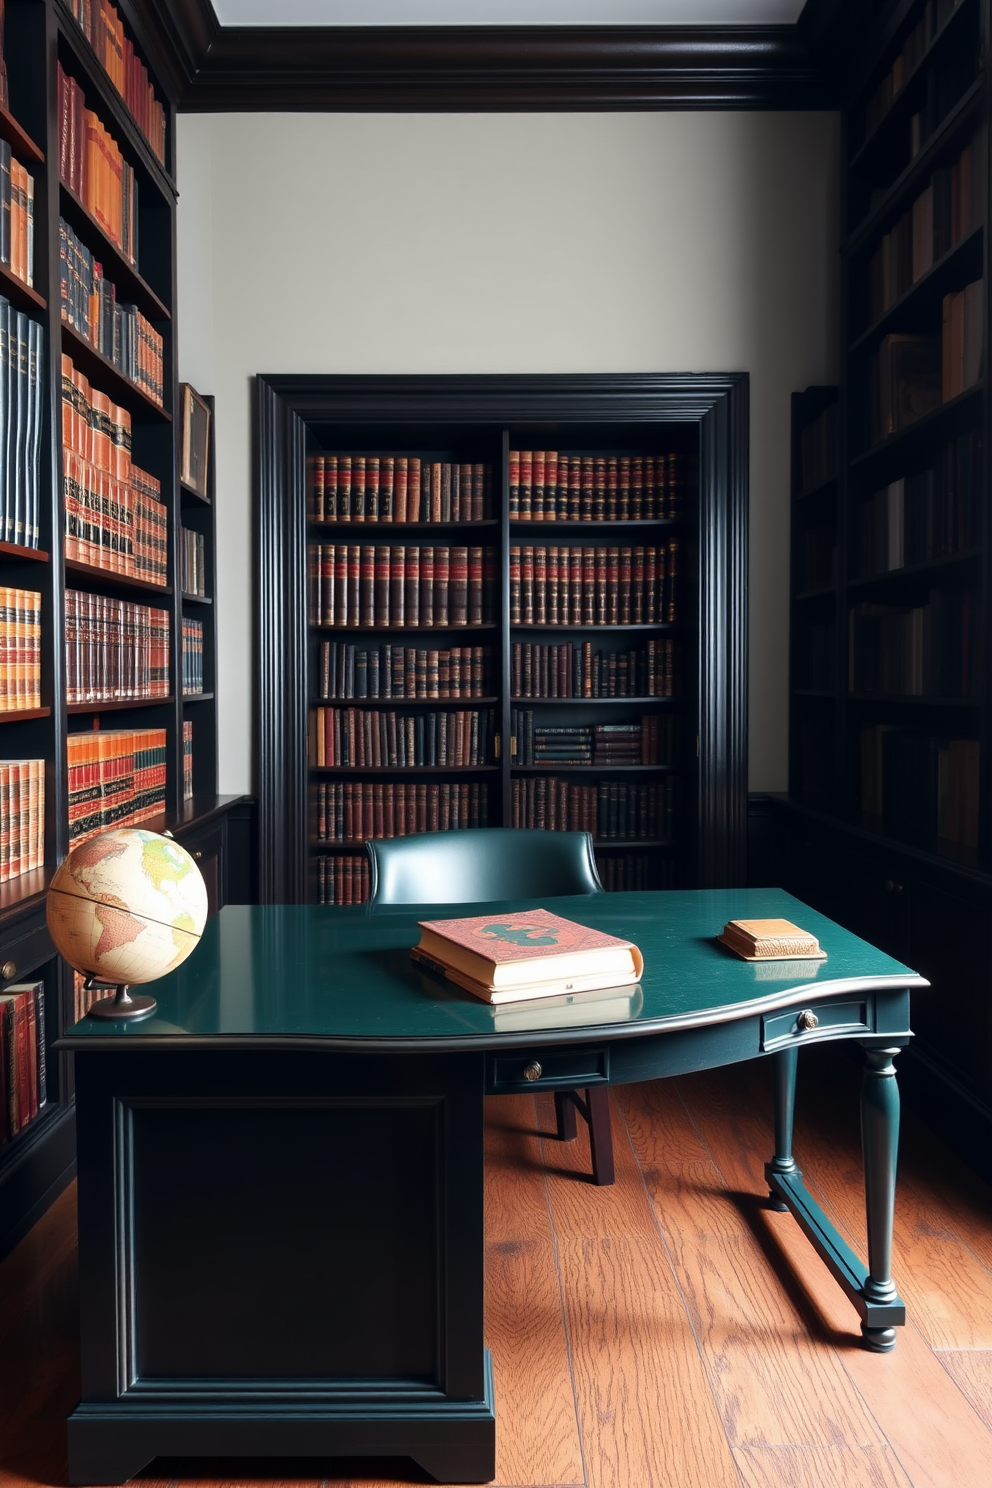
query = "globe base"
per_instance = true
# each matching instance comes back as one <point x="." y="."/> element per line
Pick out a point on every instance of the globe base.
<point x="122" y="1005"/>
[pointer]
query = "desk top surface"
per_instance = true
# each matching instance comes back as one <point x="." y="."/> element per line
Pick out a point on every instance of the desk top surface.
<point x="289" y="975"/>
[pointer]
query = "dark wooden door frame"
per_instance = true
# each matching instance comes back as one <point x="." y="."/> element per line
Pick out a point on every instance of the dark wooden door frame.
<point x="286" y="406"/>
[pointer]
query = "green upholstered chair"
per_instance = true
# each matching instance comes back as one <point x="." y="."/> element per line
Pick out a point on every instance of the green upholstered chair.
<point x="476" y="865"/>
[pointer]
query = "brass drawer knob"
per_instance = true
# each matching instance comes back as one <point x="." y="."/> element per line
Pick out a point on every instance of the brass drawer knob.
<point x="807" y="1020"/>
<point x="533" y="1071"/>
<point x="8" y="970"/>
<point x="198" y="855"/>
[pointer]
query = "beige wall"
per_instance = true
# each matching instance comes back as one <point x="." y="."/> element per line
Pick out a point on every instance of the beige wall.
<point x="682" y="242"/>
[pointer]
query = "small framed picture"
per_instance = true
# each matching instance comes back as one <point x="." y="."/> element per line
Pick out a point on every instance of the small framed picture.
<point x="195" y="444"/>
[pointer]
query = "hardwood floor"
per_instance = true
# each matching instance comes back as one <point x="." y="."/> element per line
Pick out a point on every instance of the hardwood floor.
<point x="671" y="1330"/>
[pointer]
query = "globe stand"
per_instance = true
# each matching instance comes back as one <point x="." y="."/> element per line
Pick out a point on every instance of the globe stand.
<point x="122" y="1004"/>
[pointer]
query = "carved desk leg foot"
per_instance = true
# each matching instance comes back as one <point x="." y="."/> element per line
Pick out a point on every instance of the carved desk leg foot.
<point x="880" y="1145"/>
<point x="784" y="1065"/>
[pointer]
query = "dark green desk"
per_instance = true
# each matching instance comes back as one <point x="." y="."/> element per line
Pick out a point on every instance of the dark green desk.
<point x="280" y="1174"/>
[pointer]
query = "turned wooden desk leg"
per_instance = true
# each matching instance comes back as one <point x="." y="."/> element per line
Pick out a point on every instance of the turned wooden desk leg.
<point x="566" y="1128"/>
<point x="784" y="1065"/>
<point x="880" y="1144"/>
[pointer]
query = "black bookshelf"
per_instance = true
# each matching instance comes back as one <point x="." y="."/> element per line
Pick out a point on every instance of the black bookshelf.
<point x="481" y="419"/>
<point x="891" y="707"/>
<point x="38" y="1159"/>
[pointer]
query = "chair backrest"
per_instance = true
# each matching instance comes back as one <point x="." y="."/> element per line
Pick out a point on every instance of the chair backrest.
<point x="471" y="866"/>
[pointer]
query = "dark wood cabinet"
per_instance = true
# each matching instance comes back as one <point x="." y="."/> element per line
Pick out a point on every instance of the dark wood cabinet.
<point x="483" y="419"/>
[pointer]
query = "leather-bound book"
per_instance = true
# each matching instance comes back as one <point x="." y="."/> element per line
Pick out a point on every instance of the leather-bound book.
<point x="541" y="585"/>
<point x="401" y="560"/>
<point x="442" y="584"/>
<point x="575" y="489"/>
<point x="670" y="612"/>
<point x="550" y="485"/>
<point x="612" y="586"/>
<point x="527" y="584"/>
<point x="426" y="610"/>
<point x="458" y="586"/>
<point x="637" y="588"/>
<point x="344" y="488"/>
<point x="537" y="485"/>
<point x="516" y="584"/>
<point x="526" y="484"/>
<point x="514" y="484"/>
<point x="637" y="487"/>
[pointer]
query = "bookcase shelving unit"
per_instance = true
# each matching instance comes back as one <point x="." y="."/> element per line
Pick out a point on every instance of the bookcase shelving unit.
<point x="481" y="420"/>
<point x="40" y="36"/>
<point x="891" y="706"/>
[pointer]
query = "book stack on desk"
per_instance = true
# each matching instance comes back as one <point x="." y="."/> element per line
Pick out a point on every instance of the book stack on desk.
<point x="504" y="958"/>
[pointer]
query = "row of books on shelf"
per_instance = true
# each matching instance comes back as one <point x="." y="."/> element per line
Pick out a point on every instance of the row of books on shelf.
<point x="22" y="417"/>
<point x="551" y="486"/>
<point x="101" y="24"/>
<point x="575" y="670"/>
<point x="928" y="650"/>
<point x="342" y="879"/>
<point x="23" y="1075"/>
<point x="912" y="375"/>
<point x="398" y="488"/>
<point x="905" y="63"/>
<point x="22" y="817"/>
<point x="16" y="216"/>
<point x="818" y="445"/>
<point x="369" y="738"/>
<point x="929" y="514"/>
<point x="575" y="585"/>
<point x="350" y="811"/>
<point x="608" y="809"/>
<point x="94" y="169"/>
<point x="649" y="741"/>
<point x="187" y="759"/>
<point x="115" y="650"/>
<point x="384" y="584"/>
<point x="116" y="329"/>
<point x="119" y="526"/>
<point x="921" y="785"/>
<point x="192" y="657"/>
<point x="192" y="556"/>
<point x="20" y="649"/>
<point x="93" y="425"/>
<point x="345" y="670"/>
<point x="945" y="213"/>
<point x="116" y="779"/>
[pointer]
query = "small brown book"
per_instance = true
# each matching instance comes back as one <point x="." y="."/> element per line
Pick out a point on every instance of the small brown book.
<point x="770" y="940"/>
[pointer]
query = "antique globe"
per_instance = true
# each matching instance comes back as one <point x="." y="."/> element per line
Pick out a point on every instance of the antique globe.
<point x="126" y="906"/>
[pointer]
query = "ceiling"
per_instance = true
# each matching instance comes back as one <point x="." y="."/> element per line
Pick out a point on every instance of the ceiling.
<point x="506" y="12"/>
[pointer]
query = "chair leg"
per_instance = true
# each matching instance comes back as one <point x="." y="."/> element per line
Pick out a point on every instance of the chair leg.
<point x="565" y="1116"/>
<point x="600" y="1133"/>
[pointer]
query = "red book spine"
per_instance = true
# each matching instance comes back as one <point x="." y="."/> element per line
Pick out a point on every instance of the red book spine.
<point x="514" y="484"/>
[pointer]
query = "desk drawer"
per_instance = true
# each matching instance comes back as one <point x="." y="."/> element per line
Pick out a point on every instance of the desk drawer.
<point x="548" y="1069"/>
<point x="794" y="1026"/>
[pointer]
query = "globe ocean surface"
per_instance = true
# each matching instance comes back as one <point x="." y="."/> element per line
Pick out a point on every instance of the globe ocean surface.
<point x="127" y="906"/>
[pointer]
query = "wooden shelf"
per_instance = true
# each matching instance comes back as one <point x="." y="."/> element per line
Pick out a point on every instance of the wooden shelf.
<point x="908" y="93"/>
<point x="109" y="377"/>
<point x="404" y="769"/>
<point x="572" y="702"/>
<point x="931" y="567"/>
<point x="23" y="146"/>
<point x="124" y="274"/>
<point x="22" y="295"/>
<point x="197" y="697"/>
<point x="23" y="554"/>
<point x="202" y="599"/>
<point x="553" y="767"/>
<point x="378" y="524"/>
<point x="18" y="715"/>
<point x="193" y="494"/>
<point x="958" y="266"/>
<point x="920" y="427"/>
<point x="654" y="625"/>
<point x="380" y="703"/>
<point x="118" y="705"/>
<point x="398" y="632"/>
<point x="117" y="580"/>
<point x="918" y="171"/>
<point x="587" y="524"/>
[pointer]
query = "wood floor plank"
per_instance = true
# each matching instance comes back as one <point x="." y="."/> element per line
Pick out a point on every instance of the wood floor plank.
<point x="971" y="1371"/>
<point x="516" y="1201"/>
<point x="819" y="1467"/>
<point x="581" y="1209"/>
<point x="525" y="1331"/>
<point x="646" y="1412"/>
<point x="763" y="1359"/>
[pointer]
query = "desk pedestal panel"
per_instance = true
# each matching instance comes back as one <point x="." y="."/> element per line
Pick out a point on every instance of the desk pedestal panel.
<point x="281" y="1253"/>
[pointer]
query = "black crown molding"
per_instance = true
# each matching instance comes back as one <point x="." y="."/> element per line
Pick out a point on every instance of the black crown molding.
<point x="476" y="68"/>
